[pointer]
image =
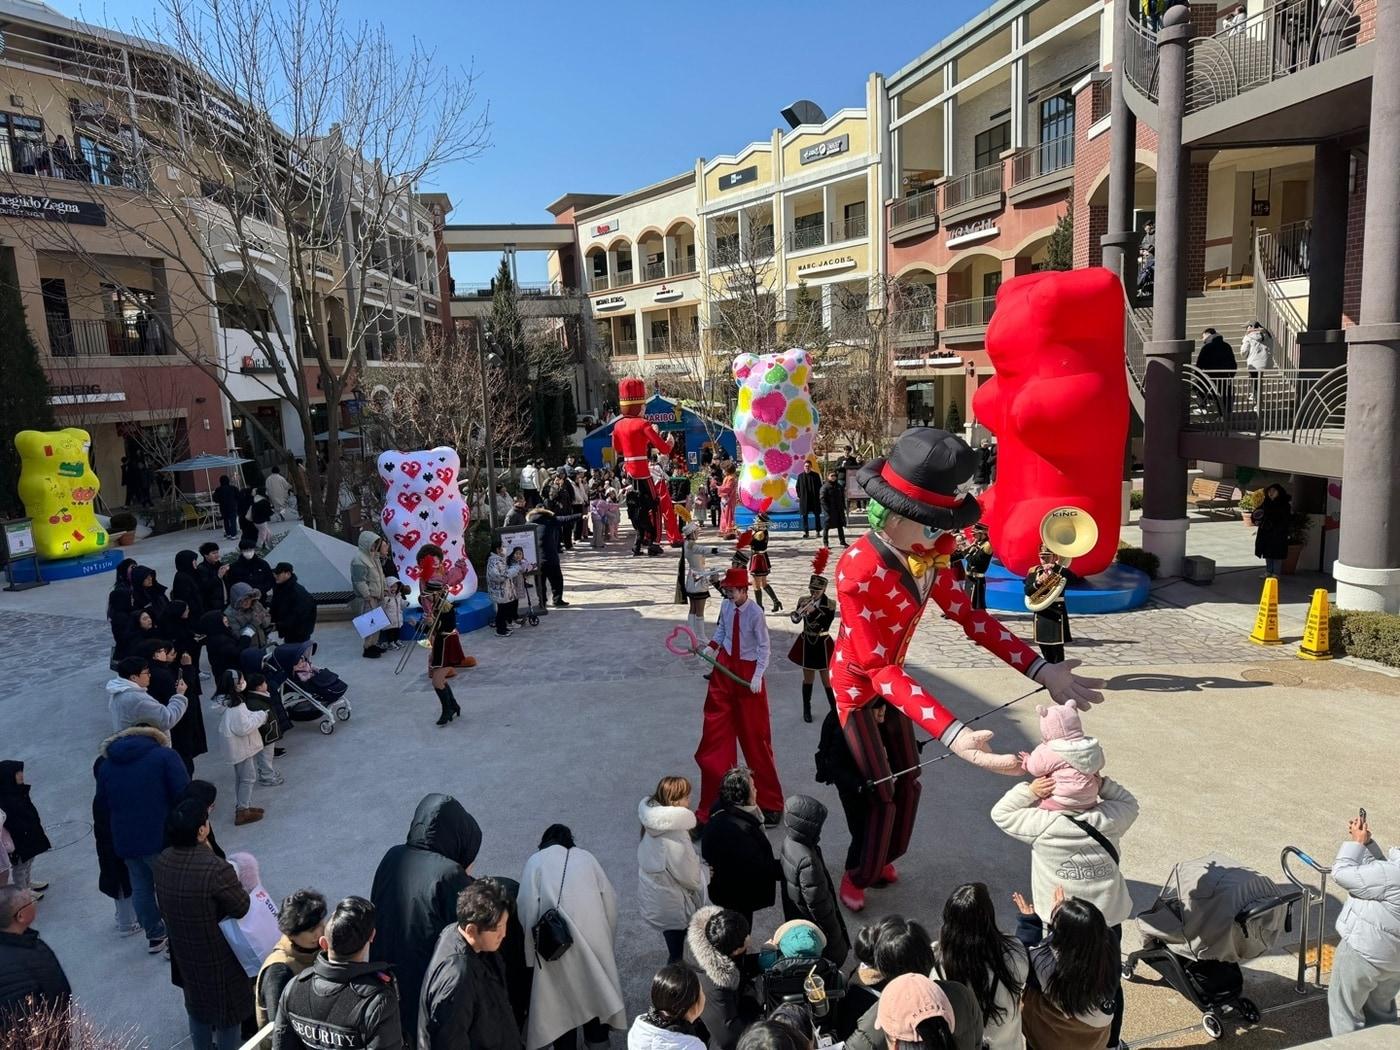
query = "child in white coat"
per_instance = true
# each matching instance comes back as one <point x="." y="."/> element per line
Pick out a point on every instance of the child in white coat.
<point x="670" y="877"/>
<point x="395" y="597"/>
<point x="239" y="729"/>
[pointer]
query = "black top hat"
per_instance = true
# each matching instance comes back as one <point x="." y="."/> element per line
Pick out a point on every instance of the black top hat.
<point x="920" y="478"/>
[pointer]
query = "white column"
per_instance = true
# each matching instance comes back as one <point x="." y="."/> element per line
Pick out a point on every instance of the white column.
<point x="829" y="214"/>
<point x="612" y="268"/>
<point x="668" y="251"/>
<point x="642" y="334"/>
<point x="950" y="110"/>
<point x="1019" y="71"/>
<point x="828" y="315"/>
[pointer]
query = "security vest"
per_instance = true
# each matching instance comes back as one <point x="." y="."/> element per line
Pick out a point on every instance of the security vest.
<point x="327" y="1005"/>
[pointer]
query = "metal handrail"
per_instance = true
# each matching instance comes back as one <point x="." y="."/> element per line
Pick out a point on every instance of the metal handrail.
<point x="1140" y="63"/>
<point x="1311" y="895"/>
<point x="1285" y="250"/>
<point x="105" y="338"/>
<point x="622" y="279"/>
<point x="968" y="313"/>
<point x="1306" y="406"/>
<point x="914" y="207"/>
<point x="599" y="283"/>
<point x="655" y="271"/>
<point x="1135" y="342"/>
<point x="681" y="267"/>
<point x="807" y="237"/>
<point x="984" y="182"/>
<point x="1278" y="257"/>
<point x="1043" y="159"/>
<point x="851" y="229"/>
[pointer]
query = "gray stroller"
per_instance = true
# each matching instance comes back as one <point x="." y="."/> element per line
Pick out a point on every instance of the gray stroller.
<point x="1212" y="914"/>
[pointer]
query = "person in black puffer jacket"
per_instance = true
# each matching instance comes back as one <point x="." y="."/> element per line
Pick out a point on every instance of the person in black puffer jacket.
<point x="224" y="646"/>
<point x="292" y="607"/>
<point x="29" y="970"/>
<point x="186" y="586"/>
<point x="716" y="946"/>
<point x="22" y="822"/>
<point x="744" y="872"/>
<point x="808" y="892"/>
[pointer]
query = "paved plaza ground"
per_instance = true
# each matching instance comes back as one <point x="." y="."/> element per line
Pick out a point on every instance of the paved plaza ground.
<point x="1227" y="746"/>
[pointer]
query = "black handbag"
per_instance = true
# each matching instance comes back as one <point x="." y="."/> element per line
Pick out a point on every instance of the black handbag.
<point x="551" y="933"/>
<point x="271" y="729"/>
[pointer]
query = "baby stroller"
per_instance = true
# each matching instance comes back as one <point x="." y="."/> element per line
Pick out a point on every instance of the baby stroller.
<point x="308" y="692"/>
<point x="1212" y="914"/>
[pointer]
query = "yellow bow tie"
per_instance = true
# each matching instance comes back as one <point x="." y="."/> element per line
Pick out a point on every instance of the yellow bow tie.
<point x="921" y="563"/>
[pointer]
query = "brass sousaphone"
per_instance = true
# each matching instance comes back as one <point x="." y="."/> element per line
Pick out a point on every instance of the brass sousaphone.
<point x="1069" y="533"/>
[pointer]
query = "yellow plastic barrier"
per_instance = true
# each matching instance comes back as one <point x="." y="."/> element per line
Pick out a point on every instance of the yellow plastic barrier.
<point x="1266" y="623"/>
<point x="1316" y="643"/>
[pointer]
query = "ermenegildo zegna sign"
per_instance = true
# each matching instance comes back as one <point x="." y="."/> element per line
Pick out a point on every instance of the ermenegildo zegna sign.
<point x="37" y="206"/>
<point x="738" y="178"/>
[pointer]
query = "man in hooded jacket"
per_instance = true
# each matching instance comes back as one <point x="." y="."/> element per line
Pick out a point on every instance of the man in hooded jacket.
<point x="808" y="892"/>
<point x="415" y="895"/>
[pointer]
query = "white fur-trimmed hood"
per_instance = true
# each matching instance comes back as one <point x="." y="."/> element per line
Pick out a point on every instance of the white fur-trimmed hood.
<point x="720" y="969"/>
<point x="659" y="820"/>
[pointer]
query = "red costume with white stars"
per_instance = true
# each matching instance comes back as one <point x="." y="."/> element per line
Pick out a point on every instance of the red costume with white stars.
<point x="881" y="600"/>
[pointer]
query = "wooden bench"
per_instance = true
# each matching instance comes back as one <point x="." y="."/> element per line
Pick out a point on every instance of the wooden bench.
<point x="1206" y="494"/>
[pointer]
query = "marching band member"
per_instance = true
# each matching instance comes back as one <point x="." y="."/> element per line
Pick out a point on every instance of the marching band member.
<point x="759" y="563"/>
<point x="977" y="559"/>
<point x="812" y="649"/>
<point x="440" y="626"/>
<point x="1045" y="588"/>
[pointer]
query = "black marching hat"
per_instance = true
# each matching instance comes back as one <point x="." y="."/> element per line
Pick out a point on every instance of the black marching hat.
<point x="920" y="478"/>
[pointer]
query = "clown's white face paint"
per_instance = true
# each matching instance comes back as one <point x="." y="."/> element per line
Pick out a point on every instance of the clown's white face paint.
<point x="909" y="536"/>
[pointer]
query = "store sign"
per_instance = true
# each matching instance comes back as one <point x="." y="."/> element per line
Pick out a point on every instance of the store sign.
<point x="602" y="229"/>
<point x="83" y="394"/>
<point x="673" y="416"/>
<point x="739" y="178"/>
<point x="822" y="150"/>
<point x="967" y="232"/>
<point x="667" y="294"/>
<point x="37" y="206"/>
<point x="828" y="265"/>
<point x="610" y="302"/>
<point x="1259" y="209"/>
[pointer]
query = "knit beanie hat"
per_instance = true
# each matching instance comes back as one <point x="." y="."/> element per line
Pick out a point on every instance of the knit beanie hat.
<point x="1060" y="722"/>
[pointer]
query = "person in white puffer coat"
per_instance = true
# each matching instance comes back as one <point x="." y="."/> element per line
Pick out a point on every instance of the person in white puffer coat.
<point x="1366" y="969"/>
<point x="670" y="877"/>
<point x="676" y="1003"/>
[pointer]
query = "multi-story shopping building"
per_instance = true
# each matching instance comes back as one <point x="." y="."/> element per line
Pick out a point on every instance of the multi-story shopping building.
<point x="137" y="314"/>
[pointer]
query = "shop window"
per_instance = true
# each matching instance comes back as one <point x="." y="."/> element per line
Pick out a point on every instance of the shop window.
<point x="24" y="143"/>
<point x="990" y="283"/>
<point x="1056" y="117"/>
<point x="991" y="144"/>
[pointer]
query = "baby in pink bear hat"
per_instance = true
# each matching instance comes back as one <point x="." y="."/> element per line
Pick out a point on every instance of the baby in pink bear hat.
<point x="1068" y="757"/>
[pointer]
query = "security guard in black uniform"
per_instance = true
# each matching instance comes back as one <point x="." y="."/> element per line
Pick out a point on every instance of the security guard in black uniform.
<point x="344" y="1001"/>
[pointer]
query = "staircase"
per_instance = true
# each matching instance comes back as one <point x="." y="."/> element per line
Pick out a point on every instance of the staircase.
<point x="1227" y="311"/>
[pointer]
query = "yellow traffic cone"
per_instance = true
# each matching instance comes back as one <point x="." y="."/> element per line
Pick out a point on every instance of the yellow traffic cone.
<point x="1266" y="623"/>
<point x="1316" y="644"/>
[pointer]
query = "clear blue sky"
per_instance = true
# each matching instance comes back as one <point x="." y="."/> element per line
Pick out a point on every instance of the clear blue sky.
<point x="609" y="95"/>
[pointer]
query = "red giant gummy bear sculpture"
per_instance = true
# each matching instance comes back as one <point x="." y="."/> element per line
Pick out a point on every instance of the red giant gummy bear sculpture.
<point x="1059" y="408"/>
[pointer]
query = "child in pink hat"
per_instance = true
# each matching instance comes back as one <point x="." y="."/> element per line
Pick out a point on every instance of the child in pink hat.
<point x="1068" y="757"/>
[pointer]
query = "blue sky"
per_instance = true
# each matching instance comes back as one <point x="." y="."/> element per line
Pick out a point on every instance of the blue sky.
<point x="609" y="95"/>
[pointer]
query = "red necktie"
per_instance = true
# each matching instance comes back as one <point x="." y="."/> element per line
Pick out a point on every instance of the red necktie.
<point x="734" y="645"/>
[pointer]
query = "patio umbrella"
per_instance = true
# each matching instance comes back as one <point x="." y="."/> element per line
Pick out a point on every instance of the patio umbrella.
<point x="206" y="462"/>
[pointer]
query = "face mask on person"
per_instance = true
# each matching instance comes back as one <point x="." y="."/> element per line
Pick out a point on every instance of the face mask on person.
<point x="247" y="554"/>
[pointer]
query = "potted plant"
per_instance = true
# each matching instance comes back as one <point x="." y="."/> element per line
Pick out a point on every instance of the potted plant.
<point x="123" y="528"/>
<point x="1299" y="525"/>
<point x="1248" y="502"/>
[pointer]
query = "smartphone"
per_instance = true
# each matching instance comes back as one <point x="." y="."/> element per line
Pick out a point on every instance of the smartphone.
<point x="1361" y="814"/>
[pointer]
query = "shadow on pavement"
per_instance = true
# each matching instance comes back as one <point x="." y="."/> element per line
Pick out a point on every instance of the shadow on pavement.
<point x="1156" y="682"/>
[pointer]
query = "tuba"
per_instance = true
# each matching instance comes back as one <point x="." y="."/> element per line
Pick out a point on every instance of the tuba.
<point x="1070" y="533"/>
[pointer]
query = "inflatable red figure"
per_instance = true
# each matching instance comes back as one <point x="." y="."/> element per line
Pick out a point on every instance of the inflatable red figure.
<point x="1059" y="408"/>
<point x="632" y="437"/>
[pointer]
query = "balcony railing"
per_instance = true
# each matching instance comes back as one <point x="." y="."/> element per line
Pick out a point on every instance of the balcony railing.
<point x="623" y="279"/>
<point x="91" y="164"/>
<point x="1100" y="99"/>
<point x="1283" y="253"/>
<point x="1306" y="406"/>
<point x="524" y="290"/>
<point x="624" y="347"/>
<point x="1050" y="156"/>
<point x="913" y="208"/>
<point x="975" y="185"/>
<point x="969" y="313"/>
<point x="915" y="320"/>
<point x="660" y="345"/>
<point x="599" y="283"/>
<point x="852" y="229"/>
<point x="1283" y="38"/>
<point x="813" y="236"/>
<point x="68" y="338"/>
<point x="681" y="267"/>
<point x="654" y="271"/>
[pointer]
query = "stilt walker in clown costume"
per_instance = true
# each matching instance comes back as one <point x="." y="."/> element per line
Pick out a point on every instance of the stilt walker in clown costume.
<point x="883" y="582"/>
<point x="632" y="438"/>
<point x="736" y="708"/>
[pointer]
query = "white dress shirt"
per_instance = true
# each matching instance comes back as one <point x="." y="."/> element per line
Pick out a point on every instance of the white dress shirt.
<point x="753" y="633"/>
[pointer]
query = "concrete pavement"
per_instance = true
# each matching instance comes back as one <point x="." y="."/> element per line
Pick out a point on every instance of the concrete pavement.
<point x="1228" y="747"/>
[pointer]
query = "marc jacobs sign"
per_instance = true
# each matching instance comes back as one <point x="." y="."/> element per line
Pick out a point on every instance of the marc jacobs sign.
<point x="828" y="265"/>
<point x="822" y="150"/>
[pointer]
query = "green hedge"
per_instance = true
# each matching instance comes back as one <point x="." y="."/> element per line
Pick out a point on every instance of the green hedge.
<point x="1135" y="499"/>
<point x="1137" y="558"/>
<point x="1368" y="635"/>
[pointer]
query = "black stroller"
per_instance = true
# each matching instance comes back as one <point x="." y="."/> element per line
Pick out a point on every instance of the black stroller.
<point x="308" y="693"/>
<point x="1212" y="914"/>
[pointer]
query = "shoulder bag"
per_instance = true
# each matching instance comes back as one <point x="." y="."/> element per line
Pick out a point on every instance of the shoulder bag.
<point x="1095" y="834"/>
<point x="551" y="933"/>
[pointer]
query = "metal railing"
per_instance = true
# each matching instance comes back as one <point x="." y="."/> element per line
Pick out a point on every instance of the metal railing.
<point x="812" y="236"/>
<point x="624" y="347"/>
<point x="1306" y="406"/>
<point x="914" y="321"/>
<point x="914" y="207"/>
<point x="109" y="338"/>
<point x="1281" y="255"/>
<point x="984" y="182"/>
<point x="622" y="279"/>
<point x="53" y="160"/>
<point x="1100" y="99"/>
<point x="852" y="229"/>
<point x="681" y="267"/>
<point x="654" y="271"/>
<point x="1049" y="156"/>
<point x="599" y="282"/>
<point x="969" y="313"/>
<point x="524" y="289"/>
<point x="1285" y="37"/>
<point x="660" y="345"/>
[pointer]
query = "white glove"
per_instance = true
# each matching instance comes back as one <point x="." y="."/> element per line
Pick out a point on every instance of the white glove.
<point x="756" y="684"/>
<point x="1064" y="685"/>
<point x="975" y="746"/>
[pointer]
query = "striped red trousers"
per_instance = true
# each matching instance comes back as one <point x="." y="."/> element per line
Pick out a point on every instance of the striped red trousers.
<point x="879" y="749"/>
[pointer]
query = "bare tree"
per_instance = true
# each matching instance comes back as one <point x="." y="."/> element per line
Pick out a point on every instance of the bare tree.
<point x="853" y="384"/>
<point x="278" y="145"/>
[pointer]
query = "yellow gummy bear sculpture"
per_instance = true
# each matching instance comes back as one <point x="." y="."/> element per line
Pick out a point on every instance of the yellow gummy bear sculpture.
<point x="58" y="488"/>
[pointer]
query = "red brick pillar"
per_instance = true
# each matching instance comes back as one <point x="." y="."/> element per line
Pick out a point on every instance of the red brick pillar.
<point x="1198" y="185"/>
<point x="1098" y="226"/>
<point x="1356" y="238"/>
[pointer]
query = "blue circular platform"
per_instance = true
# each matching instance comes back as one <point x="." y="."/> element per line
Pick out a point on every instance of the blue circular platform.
<point x="778" y="521"/>
<point x="69" y="568"/>
<point x="1117" y="589"/>
<point x="472" y="614"/>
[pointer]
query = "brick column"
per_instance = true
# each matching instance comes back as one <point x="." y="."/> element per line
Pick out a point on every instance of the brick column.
<point x="1367" y="569"/>
<point x="1198" y="191"/>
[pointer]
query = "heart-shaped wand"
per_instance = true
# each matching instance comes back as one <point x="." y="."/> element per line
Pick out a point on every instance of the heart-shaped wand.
<point x="682" y="642"/>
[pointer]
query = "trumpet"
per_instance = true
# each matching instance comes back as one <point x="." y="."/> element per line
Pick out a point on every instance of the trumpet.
<point x="1069" y="533"/>
<point x="806" y="605"/>
<point x="424" y="629"/>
